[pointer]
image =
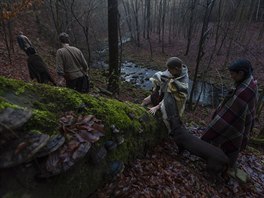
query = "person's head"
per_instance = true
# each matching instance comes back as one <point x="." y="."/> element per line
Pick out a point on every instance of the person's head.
<point x="20" y="33"/>
<point x="31" y="51"/>
<point x="240" y="70"/>
<point x="64" y="38"/>
<point x="174" y="65"/>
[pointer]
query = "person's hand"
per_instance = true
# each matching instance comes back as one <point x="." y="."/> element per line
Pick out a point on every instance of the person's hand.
<point x="61" y="82"/>
<point x="153" y="110"/>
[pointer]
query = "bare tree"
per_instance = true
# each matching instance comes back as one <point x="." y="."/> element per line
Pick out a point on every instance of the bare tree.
<point x="159" y="20"/>
<point x="257" y="12"/>
<point x="261" y="32"/>
<point x="6" y="40"/>
<point x="135" y="8"/>
<point x="204" y="33"/>
<point x="163" y="18"/>
<point x="114" y="71"/>
<point x="148" y="16"/>
<point x="128" y="17"/>
<point x="190" y="25"/>
<point x="54" y="9"/>
<point x="84" y="18"/>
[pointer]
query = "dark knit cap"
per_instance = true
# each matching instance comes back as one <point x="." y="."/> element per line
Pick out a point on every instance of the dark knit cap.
<point x="241" y="65"/>
<point x="64" y="37"/>
<point x="174" y="62"/>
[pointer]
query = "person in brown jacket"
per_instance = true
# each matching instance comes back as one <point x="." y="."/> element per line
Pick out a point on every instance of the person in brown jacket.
<point x="71" y="64"/>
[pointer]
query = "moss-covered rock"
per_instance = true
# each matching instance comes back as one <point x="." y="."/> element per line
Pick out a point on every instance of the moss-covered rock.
<point x="140" y="130"/>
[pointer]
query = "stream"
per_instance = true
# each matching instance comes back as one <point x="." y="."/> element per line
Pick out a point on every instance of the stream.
<point x="208" y="94"/>
<point x="205" y="93"/>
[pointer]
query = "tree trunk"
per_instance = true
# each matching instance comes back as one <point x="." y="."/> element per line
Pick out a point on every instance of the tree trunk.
<point x="257" y="12"/>
<point x="55" y="16"/>
<point x="128" y="17"/>
<point x="190" y="28"/>
<point x="144" y="15"/>
<point x="164" y="6"/>
<point x="11" y="43"/>
<point x="6" y="41"/>
<point x="85" y="30"/>
<point x="261" y="32"/>
<point x="135" y="8"/>
<point x="208" y="11"/>
<point x="148" y="17"/>
<point x="159" y="20"/>
<point x="114" y="71"/>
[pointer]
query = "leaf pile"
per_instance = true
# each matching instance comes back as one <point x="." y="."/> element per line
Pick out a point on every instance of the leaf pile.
<point x="163" y="173"/>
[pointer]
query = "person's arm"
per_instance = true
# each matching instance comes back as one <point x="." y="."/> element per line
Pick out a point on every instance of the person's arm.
<point x="154" y="109"/>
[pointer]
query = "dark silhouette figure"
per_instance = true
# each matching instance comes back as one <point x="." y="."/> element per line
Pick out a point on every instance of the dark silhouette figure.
<point x="37" y="68"/>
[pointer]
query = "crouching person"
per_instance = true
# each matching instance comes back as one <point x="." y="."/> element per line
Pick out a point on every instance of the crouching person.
<point x="172" y="108"/>
<point x="173" y="80"/>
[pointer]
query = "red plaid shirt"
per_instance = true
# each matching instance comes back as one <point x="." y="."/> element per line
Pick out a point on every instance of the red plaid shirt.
<point x="234" y="119"/>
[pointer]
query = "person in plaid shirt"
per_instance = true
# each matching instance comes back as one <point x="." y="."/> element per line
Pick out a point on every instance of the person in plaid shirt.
<point x="234" y="118"/>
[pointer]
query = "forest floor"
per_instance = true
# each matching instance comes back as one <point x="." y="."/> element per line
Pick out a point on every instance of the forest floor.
<point x="162" y="173"/>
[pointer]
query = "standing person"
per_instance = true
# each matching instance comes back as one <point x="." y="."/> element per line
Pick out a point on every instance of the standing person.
<point x="37" y="68"/>
<point x="71" y="64"/>
<point x="234" y="118"/>
<point x="173" y="81"/>
<point x="23" y="42"/>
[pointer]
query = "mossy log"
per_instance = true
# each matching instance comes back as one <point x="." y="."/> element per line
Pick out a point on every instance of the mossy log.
<point x="257" y="141"/>
<point x="140" y="130"/>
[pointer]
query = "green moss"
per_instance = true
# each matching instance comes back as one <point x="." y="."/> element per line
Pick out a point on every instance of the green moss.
<point x="44" y="121"/>
<point x="4" y="104"/>
<point x="11" y="83"/>
<point x="49" y="102"/>
<point x="20" y="90"/>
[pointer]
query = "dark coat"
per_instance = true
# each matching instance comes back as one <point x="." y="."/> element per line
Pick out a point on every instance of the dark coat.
<point x="38" y="69"/>
<point x="216" y="159"/>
